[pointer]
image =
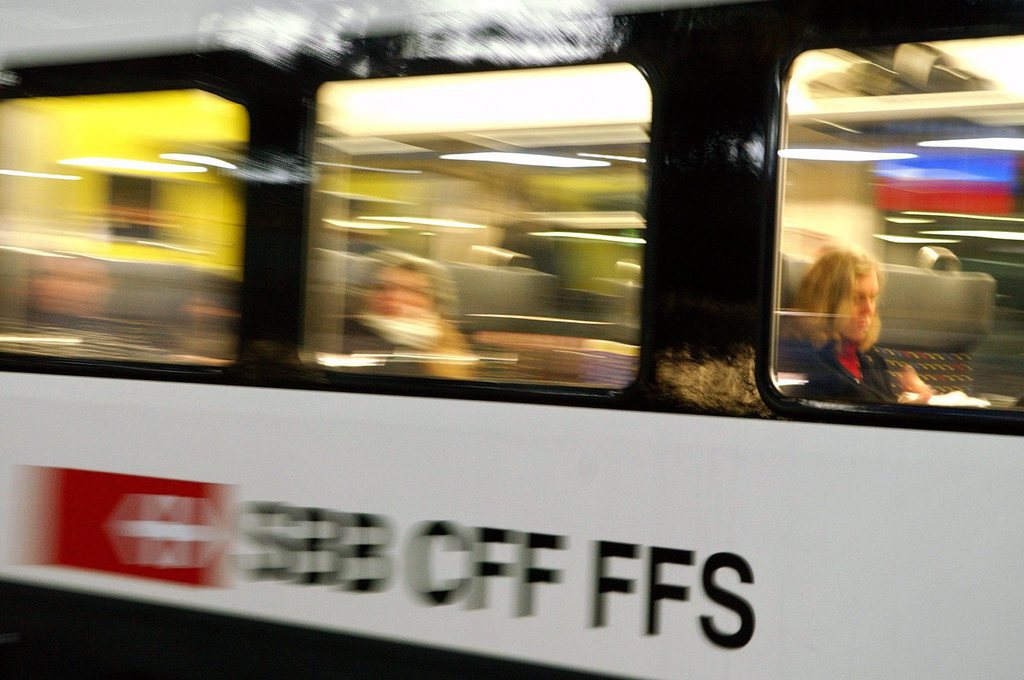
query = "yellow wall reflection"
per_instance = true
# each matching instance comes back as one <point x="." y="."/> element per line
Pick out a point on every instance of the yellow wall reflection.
<point x="137" y="188"/>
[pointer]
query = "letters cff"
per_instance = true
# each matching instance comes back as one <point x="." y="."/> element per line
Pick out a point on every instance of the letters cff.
<point x="446" y="563"/>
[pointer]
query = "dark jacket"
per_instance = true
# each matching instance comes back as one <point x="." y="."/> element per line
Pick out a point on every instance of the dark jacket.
<point x="827" y="379"/>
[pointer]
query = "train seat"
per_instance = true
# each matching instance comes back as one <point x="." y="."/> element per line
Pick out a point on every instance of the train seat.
<point x="501" y="298"/>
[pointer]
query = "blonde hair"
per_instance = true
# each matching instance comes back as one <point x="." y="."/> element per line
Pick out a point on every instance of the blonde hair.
<point x="826" y="296"/>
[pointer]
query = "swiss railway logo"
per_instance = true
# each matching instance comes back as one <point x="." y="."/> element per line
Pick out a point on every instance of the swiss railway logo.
<point x="166" y="529"/>
<point x="166" y="532"/>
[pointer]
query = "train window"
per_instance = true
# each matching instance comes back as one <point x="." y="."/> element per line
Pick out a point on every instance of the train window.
<point x="901" y="244"/>
<point x="484" y="226"/>
<point x="122" y="226"/>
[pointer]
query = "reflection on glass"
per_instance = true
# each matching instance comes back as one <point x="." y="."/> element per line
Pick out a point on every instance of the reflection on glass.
<point x="481" y="226"/>
<point x="121" y="226"/>
<point x="909" y="157"/>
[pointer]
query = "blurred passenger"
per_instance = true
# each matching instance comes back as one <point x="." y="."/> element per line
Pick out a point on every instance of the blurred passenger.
<point x="832" y="347"/>
<point x="68" y="292"/>
<point x="402" y="315"/>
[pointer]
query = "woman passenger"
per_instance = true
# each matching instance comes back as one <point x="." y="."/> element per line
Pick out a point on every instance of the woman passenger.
<point x="837" y="327"/>
<point x="404" y="312"/>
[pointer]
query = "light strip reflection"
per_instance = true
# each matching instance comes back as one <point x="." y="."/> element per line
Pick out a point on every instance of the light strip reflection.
<point x="843" y="155"/>
<point x="498" y="252"/>
<point x="40" y="340"/>
<point x="628" y="159"/>
<point x="201" y="160"/>
<point x="368" y="360"/>
<point x="980" y="233"/>
<point x="520" y="317"/>
<point x="425" y="221"/>
<point x="966" y="216"/>
<point x="33" y="251"/>
<point x="991" y="143"/>
<point x="531" y="159"/>
<point x="909" y="220"/>
<point x="348" y="224"/>
<point x="593" y="219"/>
<point x="38" y="175"/>
<point x="589" y="237"/>
<point x="103" y="163"/>
<point x="369" y="169"/>
<point x="351" y="196"/>
<point x="913" y="239"/>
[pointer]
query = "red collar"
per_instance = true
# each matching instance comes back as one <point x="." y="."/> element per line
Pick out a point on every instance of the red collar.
<point x="849" y="359"/>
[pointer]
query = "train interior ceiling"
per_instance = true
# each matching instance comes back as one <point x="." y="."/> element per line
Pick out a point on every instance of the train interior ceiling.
<point x="912" y="153"/>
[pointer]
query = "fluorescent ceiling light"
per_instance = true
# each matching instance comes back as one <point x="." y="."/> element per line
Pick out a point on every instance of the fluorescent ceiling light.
<point x="596" y="219"/>
<point x="427" y="221"/>
<point x="201" y="160"/>
<point x="981" y="233"/>
<point x="536" y="160"/>
<point x="965" y="216"/>
<point x="843" y="155"/>
<point x="37" y="175"/>
<point x="588" y="237"/>
<point x="629" y="159"/>
<point x="101" y="163"/>
<point x="993" y="143"/>
<point x="913" y="239"/>
<point x="348" y="224"/>
<point x="100" y="258"/>
<point x="563" y="97"/>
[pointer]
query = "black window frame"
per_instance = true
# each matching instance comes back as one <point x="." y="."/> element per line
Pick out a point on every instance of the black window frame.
<point x="506" y="391"/>
<point x="844" y="33"/>
<point x="216" y="74"/>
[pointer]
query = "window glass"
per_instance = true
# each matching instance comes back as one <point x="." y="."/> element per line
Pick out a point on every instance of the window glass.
<point x="481" y="226"/>
<point x="121" y="226"/>
<point x="901" y="264"/>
